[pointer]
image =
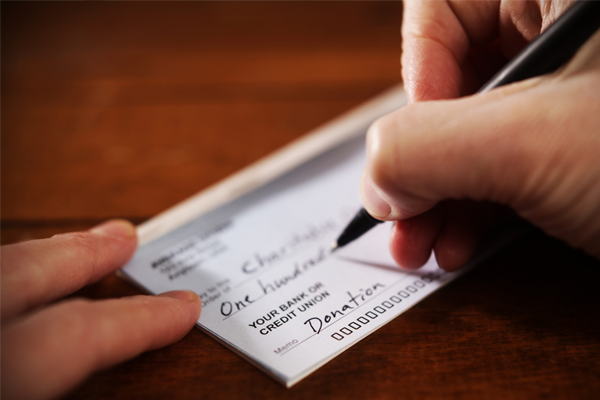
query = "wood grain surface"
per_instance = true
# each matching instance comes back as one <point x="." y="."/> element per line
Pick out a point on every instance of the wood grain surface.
<point x="124" y="109"/>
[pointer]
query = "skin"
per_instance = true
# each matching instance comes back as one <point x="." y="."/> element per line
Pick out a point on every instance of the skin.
<point x="449" y="164"/>
<point x="49" y="347"/>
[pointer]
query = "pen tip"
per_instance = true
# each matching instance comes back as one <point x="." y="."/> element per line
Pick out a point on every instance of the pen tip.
<point x="334" y="247"/>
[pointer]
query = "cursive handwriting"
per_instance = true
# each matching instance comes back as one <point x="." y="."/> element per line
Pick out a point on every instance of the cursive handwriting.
<point x="316" y="323"/>
<point x="229" y="308"/>
<point x="263" y="260"/>
<point x="299" y="269"/>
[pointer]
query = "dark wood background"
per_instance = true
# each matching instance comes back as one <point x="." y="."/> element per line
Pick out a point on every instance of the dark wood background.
<point x="124" y="109"/>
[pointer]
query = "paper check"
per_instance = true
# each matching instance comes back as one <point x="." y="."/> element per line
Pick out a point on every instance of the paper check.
<point x="270" y="288"/>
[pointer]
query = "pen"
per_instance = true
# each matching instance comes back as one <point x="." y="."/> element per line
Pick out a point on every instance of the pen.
<point x="545" y="54"/>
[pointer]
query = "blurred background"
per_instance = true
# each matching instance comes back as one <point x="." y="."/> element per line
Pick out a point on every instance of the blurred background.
<point x="124" y="109"/>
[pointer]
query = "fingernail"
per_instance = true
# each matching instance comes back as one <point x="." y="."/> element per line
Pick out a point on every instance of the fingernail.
<point x="116" y="227"/>
<point x="374" y="204"/>
<point x="185" y="295"/>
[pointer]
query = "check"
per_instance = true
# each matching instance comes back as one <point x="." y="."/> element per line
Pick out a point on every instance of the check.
<point x="270" y="288"/>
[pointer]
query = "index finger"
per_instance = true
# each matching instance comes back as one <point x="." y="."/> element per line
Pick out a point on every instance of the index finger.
<point x="436" y="37"/>
<point x="49" y="351"/>
<point x="39" y="271"/>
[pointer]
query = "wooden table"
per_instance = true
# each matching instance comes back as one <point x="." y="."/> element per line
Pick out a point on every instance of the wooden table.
<point x="124" y="109"/>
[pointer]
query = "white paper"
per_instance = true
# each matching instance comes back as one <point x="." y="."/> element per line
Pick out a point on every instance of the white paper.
<point x="270" y="288"/>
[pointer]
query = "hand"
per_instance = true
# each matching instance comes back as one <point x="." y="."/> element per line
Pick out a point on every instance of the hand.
<point x="533" y="145"/>
<point x="49" y="348"/>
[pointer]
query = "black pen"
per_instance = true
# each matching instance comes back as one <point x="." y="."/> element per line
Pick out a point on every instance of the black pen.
<point x="545" y="54"/>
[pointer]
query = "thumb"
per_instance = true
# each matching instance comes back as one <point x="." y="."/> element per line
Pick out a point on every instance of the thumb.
<point x="428" y="152"/>
<point x="532" y="146"/>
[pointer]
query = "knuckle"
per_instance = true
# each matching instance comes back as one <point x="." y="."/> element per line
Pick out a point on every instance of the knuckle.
<point x="385" y="150"/>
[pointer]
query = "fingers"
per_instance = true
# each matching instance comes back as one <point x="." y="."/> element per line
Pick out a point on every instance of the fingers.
<point x="448" y="47"/>
<point x="452" y="229"/>
<point x="79" y="337"/>
<point x="39" y="271"/>
<point x="436" y="37"/>
<point x="522" y="21"/>
<point x="459" y="236"/>
<point x="412" y="239"/>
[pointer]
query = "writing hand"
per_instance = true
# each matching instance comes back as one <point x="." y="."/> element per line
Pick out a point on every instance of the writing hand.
<point x="533" y="146"/>
<point x="49" y="348"/>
